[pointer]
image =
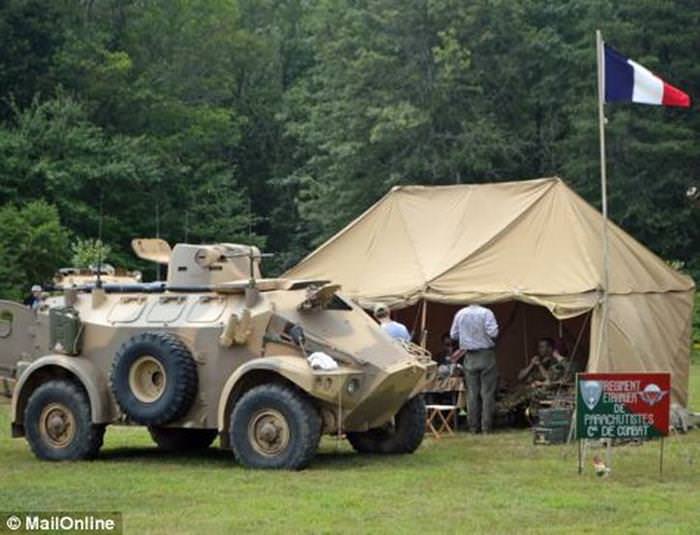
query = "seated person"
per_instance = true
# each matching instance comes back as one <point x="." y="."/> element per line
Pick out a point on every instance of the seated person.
<point x="396" y="330"/>
<point x="444" y="390"/>
<point x="444" y="356"/>
<point x="547" y="366"/>
<point x="542" y="379"/>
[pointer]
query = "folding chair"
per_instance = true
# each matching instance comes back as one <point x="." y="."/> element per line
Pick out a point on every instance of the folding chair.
<point x="441" y="419"/>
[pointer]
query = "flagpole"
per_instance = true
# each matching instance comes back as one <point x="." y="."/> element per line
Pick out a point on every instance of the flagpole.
<point x="603" y="338"/>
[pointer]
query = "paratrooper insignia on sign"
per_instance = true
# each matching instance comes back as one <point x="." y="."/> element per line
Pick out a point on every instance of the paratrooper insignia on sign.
<point x="591" y="392"/>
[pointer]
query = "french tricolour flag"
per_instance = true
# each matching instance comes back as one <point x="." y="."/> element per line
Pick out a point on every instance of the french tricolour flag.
<point x="628" y="81"/>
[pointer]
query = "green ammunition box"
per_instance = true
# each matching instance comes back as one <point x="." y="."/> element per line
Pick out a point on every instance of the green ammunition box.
<point x="554" y="417"/>
<point x="549" y="435"/>
<point x="65" y="330"/>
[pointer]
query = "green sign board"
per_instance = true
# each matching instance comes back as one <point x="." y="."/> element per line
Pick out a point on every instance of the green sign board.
<point x="622" y="405"/>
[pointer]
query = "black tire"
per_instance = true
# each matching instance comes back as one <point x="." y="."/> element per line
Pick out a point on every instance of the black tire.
<point x="175" y="439"/>
<point x="180" y="378"/>
<point x="404" y="435"/>
<point x="301" y="418"/>
<point x="65" y="401"/>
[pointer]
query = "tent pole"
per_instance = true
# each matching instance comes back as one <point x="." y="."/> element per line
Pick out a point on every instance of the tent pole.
<point x="603" y="338"/>
<point x="423" y="334"/>
<point x="525" y="348"/>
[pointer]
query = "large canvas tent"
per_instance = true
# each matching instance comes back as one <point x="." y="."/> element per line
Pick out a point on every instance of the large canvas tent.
<point x="534" y="242"/>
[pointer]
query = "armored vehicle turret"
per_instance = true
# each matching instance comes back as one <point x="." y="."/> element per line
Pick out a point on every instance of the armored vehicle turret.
<point x="216" y="350"/>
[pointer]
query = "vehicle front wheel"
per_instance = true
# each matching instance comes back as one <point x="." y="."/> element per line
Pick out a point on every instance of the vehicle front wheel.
<point x="174" y="439"/>
<point x="58" y="423"/>
<point x="274" y="426"/>
<point x="403" y="435"/>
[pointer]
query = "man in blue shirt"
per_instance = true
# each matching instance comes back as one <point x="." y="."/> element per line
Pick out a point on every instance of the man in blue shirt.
<point x="396" y="330"/>
<point x="476" y="329"/>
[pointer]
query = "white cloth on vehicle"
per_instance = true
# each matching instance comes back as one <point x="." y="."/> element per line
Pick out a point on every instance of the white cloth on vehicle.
<point x="320" y="361"/>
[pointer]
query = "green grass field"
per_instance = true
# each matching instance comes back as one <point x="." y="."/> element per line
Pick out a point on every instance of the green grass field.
<point x="499" y="483"/>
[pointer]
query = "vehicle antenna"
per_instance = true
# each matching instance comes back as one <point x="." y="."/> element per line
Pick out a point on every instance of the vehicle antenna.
<point x="99" y="241"/>
<point x="250" y="220"/>
<point x="187" y="225"/>
<point x="251" y="258"/>
<point x="157" y="210"/>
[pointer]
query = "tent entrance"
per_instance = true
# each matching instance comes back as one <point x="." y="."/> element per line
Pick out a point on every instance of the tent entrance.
<point x="521" y="326"/>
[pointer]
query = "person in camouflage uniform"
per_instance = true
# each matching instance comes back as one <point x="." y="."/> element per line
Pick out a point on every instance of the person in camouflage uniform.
<point x="539" y="379"/>
<point x="547" y="366"/>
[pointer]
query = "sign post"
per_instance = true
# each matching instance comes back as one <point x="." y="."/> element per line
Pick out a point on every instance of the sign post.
<point x="622" y="406"/>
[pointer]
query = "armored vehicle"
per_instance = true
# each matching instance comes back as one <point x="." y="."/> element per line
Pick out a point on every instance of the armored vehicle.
<point x="265" y="365"/>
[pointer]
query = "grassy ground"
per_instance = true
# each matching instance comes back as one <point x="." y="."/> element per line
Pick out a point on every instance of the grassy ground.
<point x="498" y="483"/>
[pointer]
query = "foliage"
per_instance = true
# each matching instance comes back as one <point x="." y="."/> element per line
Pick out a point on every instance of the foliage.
<point x="53" y="152"/>
<point x="30" y="37"/>
<point x="32" y="245"/>
<point x="279" y="122"/>
<point x="89" y="252"/>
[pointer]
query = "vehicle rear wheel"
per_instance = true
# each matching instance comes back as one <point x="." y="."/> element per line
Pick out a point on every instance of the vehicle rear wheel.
<point x="403" y="435"/>
<point x="181" y="439"/>
<point x="154" y="378"/>
<point x="275" y="426"/>
<point x="59" y="425"/>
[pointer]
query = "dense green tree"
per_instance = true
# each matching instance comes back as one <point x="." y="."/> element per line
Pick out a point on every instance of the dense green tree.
<point x="653" y="153"/>
<point x="30" y="36"/>
<point x="180" y="73"/>
<point x="32" y="244"/>
<point x="53" y="152"/>
<point x="426" y="92"/>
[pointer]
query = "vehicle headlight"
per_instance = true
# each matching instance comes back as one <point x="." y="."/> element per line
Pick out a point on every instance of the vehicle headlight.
<point x="353" y="385"/>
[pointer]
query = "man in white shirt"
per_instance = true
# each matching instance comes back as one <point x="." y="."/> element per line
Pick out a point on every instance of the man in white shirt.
<point x="396" y="330"/>
<point x="476" y="329"/>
